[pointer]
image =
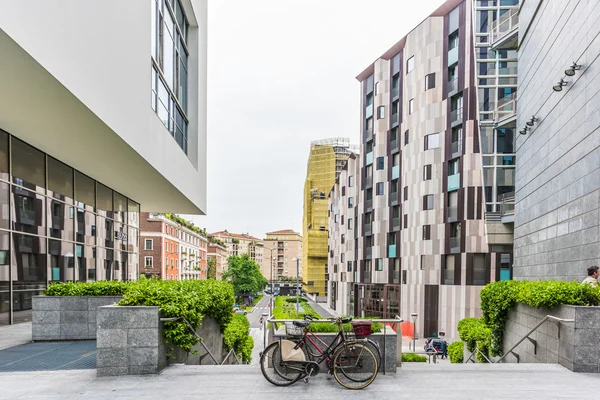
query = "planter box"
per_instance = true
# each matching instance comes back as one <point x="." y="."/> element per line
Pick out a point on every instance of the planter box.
<point x="66" y="317"/>
<point x="572" y="345"/>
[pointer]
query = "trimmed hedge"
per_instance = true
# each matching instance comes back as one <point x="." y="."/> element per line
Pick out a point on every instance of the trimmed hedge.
<point x="456" y="352"/>
<point x="476" y="334"/>
<point x="412" y="357"/>
<point x="237" y="336"/>
<point x="100" y="288"/>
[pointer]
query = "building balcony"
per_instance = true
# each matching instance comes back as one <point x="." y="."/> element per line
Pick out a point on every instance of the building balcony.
<point x="453" y="56"/>
<point x="395" y="118"/>
<point x="456" y="116"/>
<point x="366" y="277"/>
<point x="396" y="224"/>
<point x="368" y="135"/>
<point x="395" y="172"/>
<point x="369" y="158"/>
<point x="368" y="182"/>
<point x="368" y="228"/>
<point x="504" y="31"/>
<point x="369" y="111"/>
<point x="392" y="251"/>
<point x="455" y="244"/>
<point x="452" y="85"/>
<point x="393" y="197"/>
<point x="456" y="148"/>
<point x="394" y="144"/>
<point x="395" y="92"/>
<point x="452" y="213"/>
<point x="506" y="110"/>
<point x="453" y="182"/>
<point x="507" y="207"/>
<point x="368" y="205"/>
<point x="369" y="252"/>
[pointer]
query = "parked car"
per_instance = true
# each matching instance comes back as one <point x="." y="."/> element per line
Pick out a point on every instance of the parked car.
<point x="436" y="344"/>
<point x="239" y="311"/>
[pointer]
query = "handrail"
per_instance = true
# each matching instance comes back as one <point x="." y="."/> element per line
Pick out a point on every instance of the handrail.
<point x="547" y="317"/>
<point x="477" y="351"/>
<point x="200" y="340"/>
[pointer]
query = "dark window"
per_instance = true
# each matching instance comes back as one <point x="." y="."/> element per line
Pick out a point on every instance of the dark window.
<point x="85" y="191"/>
<point x="28" y="165"/>
<point x="429" y="81"/>
<point x="60" y="180"/>
<point x="405" y="137"/>
<point x="342" y="220"/>
<point x="426" y="232"/>
<point x="380" y="163"/>
<point x="3" y="155"/>
<point x="104" y="199"/>
<point x="350" y="202"/>
<point x="427" y="172"/>
<point x="349" y="268"/>
<point x="405" y="193"/>
<point x="381" y="112"/>
<point x="428" y="202"/>
<point x="343" y="190"/>
<point x="379" y="189"/>
<point x="405" y="221"/>
<point x="404" y="277"/>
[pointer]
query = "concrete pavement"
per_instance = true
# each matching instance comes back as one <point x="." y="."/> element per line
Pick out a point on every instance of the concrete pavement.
<point x="14" y="335"/>
<point x="413" y="381"/>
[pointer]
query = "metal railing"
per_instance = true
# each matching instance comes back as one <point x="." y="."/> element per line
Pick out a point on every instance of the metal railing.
<point x="394" y="197"/>
<point x="546" y="318"/>
<point x="507" y="204"/>
<point x="270" y="327"/>
<point x="394" y="118"/>
<point x="394" y="144"/>
<point x="455" y="243"/>
<point x="452" y="213"/>
<point x="395" y="91"/>
<point x="456" y="115"/>
<point x="457" y="147"/>
<point x="506" y="107"/>
<point x="452" y="85"/>
<point x="504" y="25"/>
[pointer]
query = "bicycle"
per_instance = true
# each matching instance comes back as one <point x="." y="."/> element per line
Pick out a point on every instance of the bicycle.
<point x="351" y="362"/>
<point x="307" y="339"/>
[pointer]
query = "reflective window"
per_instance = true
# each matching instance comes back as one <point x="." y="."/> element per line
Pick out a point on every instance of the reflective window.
<point x="3" y="155"/>
<point x="105" y="232"/>
<point x="85" y="227"/>
<point x="60" y="180"/>
<point x="61" y="219"/>
<point x="85" y="191"/>
<point x="29" y="273"/>
<point x="61" y="261"/>
<point x="104" y="200"/>
<point x="28" y="212"/>
<point x="133" y="213"/>
<point x="28" y="166"/>
<point x="120" y="206"/>
<point x="4" y="206"/>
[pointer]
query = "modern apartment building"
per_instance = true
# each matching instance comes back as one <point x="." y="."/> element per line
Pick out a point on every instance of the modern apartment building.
<point x="241" y="243"/>
<point x="280" y="249"/>
<point x="421" y="244"/>
<point x="558" y="175"/>
<point x="326" y="160"/>
<point x="172" y="248"/>
<point x="219" y="253"/>
<point x="87" y="142"/>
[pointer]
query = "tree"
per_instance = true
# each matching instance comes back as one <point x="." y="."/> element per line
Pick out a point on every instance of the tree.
<point x="244" y="274"/>
<point x="211" y="271"/>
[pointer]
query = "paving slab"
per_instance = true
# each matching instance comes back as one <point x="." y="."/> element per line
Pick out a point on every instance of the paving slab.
<point x="14" y="335"/>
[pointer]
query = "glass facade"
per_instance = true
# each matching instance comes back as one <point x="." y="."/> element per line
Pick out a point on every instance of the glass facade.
<point x="57" y="225"/>
<point x="170" y="67"/>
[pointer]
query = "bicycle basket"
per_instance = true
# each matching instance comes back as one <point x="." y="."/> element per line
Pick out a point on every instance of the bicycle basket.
<point x="361" y="328"/>
<point x="293" y="330"/>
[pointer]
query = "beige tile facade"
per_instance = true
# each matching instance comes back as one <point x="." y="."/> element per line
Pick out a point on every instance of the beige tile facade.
<point x="241" y="243"/>
<point x="280" y="249"/>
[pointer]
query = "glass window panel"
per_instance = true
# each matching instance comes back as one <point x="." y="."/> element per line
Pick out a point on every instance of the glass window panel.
<point x="60" y="180"/>
<point x="487" y="160"/>
<point x="133" y="213"/>
<point x="29" y="273"/>
<point x="120" y="236"/>
<point x="28" y="166"/>
<point x="183" y="84"/>
<point x="61" y="219"/>
<point x="105" y="232"/>
<point x="4" y="206"/>
<point x="120" y="213"/>
<point x="487" y="139"/>
<point x="163" y="104"/>
<point x="505" y="176"/>
<point x="61" y="259"/>
<point x="506" y="140"/>
<point x="3" y="155"/>
<point x="104" y="200"/>
<point x="104" y="264"/>
<point x="133" y="267"/>
<point x="85" y="191"/>
<point x="28" y="212"/>
<point x="133" y="240"/>
<point x="506" y="160"/>
<point x="154" y="89"/>
<point x="4" y="278"/>
<point x="154" y="26"/>
<point x="85" y="227"/>
<point x="169" y="50"/>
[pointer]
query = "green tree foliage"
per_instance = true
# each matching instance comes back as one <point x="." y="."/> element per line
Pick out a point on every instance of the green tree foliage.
<point x="456" y="352"/>
<point x="100" y="288"/>
<point x="237" y="336"/>
<point x="211" y="265"/>
<point x="244" y="274"/>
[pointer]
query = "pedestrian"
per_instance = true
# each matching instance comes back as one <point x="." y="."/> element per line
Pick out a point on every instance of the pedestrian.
<point x="426" y="345"/>
<point x="444" y="349"/>
<point x="592" y="278"/>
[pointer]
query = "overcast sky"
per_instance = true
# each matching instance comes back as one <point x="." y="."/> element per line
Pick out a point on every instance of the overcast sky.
<point x="281" y="73"/>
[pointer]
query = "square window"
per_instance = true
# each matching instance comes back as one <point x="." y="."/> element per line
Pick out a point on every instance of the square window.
<point x="410" y="64"/>
<point x="380" y="163"/>
<point x="411" y="106"/>
<point x="429" y="81"/>
<point x="379" y="189"/>
<point x="432" y="141"/>
<point x="428" y="202"/>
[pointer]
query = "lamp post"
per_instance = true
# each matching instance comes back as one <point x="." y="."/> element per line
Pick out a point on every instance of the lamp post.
<point x="272" y="287"/>
<point x="297" y="285"/>
<point x="414" y="318"/>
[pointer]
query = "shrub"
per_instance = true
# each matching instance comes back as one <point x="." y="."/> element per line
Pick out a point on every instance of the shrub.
<point x="100" y="288"/>
<point x="456" y="352"/>
<point x="412" y="357"/>
<point x="293" y="300"/>
<point x="237" y="336"/>
<point x="476" y="334"/>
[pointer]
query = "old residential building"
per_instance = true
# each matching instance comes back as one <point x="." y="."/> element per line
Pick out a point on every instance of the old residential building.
<point x="281" y="248"/>
<point x="217" y="252"/>
<point x="238" y="244"/>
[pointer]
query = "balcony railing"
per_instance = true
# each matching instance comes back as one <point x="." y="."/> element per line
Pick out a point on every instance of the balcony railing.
<point x="394" y="144"/>
<point x="369" y="111"/>
<point x="456" y="115"/>
<point x="368" y="134"/>
<point x="366" y="276"/>
<point x="395" y="172"/>
<point x="369" y="252"/>
<point x="507" y="204"/>
<point x="395" y="91"/>
<point x="396" y="223"/>
<point x="453" y="56"/>
<point x="449" y="277"/>
<point x="395" y="118"/>
<point x="457" y="147"/>
<point x="396" y="277"/>
<point x="504" y="25"/>
<point x="369" y="158"/>
<point x="368" y="229"/>
<point x="369" y="181"/>
<point x="392" y="251"/>
<point x="455" y="244"/>
<point x="452" y="85"/>
<point x="506" y="107"/>
<point x="394" y="197"/>
<point x="453" y="182"/>
<point x="452" y="213"/>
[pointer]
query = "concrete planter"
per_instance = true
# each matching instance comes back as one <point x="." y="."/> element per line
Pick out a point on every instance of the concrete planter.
<point x="572" y="345"/>
<point x="67" y="317"/>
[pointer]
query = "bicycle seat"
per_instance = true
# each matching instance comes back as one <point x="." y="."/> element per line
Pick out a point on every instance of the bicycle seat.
<point x="302" y="324"/>
<point x="346" y="320"/>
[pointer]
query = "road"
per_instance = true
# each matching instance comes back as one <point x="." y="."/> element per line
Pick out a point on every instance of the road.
<point x="259" y="309"/>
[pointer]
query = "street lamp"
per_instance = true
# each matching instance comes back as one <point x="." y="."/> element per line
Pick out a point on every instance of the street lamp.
<point x="297" y="285"/>
<point x="272" y="287"/>
<point x="414" y="318"/>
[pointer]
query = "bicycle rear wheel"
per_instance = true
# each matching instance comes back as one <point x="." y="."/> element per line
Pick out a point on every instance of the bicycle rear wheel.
<point x="277" y="371"/>
<point x="354" y="366"/>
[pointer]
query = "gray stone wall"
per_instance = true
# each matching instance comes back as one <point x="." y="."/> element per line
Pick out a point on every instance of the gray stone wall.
<point x="67" y="317"/>
<point x="557" y="214"/>
<point x="129" y="341"/>
<point x="572" y="345"/>
<point x="210" y="332"/>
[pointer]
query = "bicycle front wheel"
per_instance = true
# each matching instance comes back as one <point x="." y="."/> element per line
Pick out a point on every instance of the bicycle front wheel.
<point x="277" y="371"/>
<point x="354" y="366"/>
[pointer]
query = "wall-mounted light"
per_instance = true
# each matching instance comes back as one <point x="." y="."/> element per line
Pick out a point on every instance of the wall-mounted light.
<point x="524" y="130"/>
<point x="572" y="69"/>
<point x="558" y="87"/>
<point x="532" y="121"/>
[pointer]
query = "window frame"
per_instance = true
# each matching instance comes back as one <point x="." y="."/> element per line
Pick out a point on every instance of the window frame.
<point x="379" y="192"/>
<point x="146" y="258"/>
<point x="427" y="172"/>
<point x="410" y="64"/>
<point x="430" y="79"/>
<point x="426" y="201"/>
<point x="146" y="244"/>
<point x="381" y="112"/>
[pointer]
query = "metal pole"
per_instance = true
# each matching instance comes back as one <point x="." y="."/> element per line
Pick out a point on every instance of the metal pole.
<point x="414" y="335"/>
<point x="297" y="286"/>
<point x="264" y="326"/>
<point x="272" y="288"/>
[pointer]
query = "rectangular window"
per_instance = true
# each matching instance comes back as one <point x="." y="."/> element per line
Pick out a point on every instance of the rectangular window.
<point x="341" y="221"/>
<point x="381" y="112"/>
<point x="410" y="64"/>
<point x="432" y="141"/>
<point x="426" y="232"/>
<point x="350" y="181"/>
<point x="379" y="264"/>
<point x="411" y="106"/>
<point x="350" y="202"/>
<point x="343" y="190"/>
<point x="405" y="193"/>
<point x="342" y="258"/>
<point x="148" y="244"/>
<point x="405" y="137"/>
<point x="343" y="238"/>
<point x="429" y="81"/>
<point x="350" y="223"/>
<point x="453" y="167"/>
<point x="148" y="262"/>
<point x="404" y="277"/>
<point x="427" y="172"/>
<point x="380" y="163"/>
<point x="453" y="40"/>
<point x="428" y="202"/>
<point x="405" y="221"/>
<point x="379" y="189"/>
<point x="349" y="266"/>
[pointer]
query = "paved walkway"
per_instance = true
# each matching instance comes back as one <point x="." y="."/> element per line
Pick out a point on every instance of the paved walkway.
<point x="414" y="381"/>
<point x="49" y="356"/>
<point x="14" y="335"/>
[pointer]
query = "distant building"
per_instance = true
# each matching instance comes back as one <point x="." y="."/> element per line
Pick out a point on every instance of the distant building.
<point x="325" y="161"/>
<point x="219" y="253"/>
<point x="281" y="247"/>
<point x="241" y="243"/>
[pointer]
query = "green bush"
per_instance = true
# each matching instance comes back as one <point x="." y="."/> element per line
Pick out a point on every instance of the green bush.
<point x="456" y="352"/>
<point x="287" y="310"/>
<point x="476" y="334"/>
<point x="237" y="336"/>
<point x="293" y="300"/>
<point x="100" y="288"/>
<point x="412" y="357"/>
<point x="499" y="297"/>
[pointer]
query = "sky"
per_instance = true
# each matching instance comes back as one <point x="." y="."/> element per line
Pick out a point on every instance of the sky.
<point x="281" y="73"/>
